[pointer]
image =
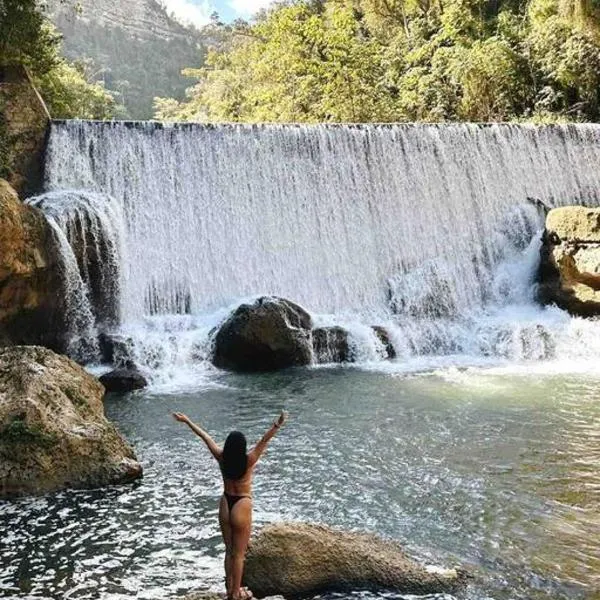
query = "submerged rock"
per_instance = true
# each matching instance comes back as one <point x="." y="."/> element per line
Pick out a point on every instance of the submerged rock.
<point x="300" y="559"/>
<point x="53" y="432"/>
<point x="330" y="345"/>
<point x="31" y="305"/>
<point x="269" y="334"/>
<point x="569" y="274"/>
<point x="125" y="379"/>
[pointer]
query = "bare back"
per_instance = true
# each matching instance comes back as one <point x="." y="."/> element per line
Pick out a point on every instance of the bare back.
<point x="241" y="486"/>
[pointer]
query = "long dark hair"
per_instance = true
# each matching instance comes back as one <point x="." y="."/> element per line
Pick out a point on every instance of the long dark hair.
<point x="235" y="459"/>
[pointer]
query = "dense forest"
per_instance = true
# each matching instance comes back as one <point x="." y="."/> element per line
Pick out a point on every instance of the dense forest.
<point x="28" y="38"/>
<point x="136" y="59"/>
<point x="402" y="60"/>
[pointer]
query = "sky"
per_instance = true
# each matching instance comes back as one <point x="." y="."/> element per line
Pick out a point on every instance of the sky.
<point x="197" y="12"/>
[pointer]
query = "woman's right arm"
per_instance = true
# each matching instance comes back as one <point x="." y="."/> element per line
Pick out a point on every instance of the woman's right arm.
<point x="261" y="446"/>
<point x="210" y="443"/>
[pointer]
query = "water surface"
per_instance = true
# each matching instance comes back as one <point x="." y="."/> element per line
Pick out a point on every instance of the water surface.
<point x="485" y="468"/>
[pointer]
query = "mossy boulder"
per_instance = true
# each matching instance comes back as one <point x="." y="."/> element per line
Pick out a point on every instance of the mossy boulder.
<point x="53" y="432"/>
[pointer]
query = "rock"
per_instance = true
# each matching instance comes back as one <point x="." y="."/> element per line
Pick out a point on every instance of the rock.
<point x="31" y="305"/>
<point x="384" y="338"/>
<point x="300" y="559"/>
<point x="126" y="379"/>
<point x="115" y="349"/>
<point x="569" y="274"/>
<point x="574" y="224"/>
<point x="269" y="334"/>
<point x="24" y="125"/>
<point x="53" y="432"/>
<point x="330" y="345"/>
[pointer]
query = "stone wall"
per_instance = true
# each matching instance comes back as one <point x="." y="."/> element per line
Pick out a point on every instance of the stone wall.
<point x="24" y="122"/>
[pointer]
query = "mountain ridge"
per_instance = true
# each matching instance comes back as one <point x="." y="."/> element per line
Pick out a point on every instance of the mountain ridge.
<point x="138" y="50"/>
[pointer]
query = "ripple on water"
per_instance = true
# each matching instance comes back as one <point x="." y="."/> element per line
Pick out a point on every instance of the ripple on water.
<point x="480" y="468"/>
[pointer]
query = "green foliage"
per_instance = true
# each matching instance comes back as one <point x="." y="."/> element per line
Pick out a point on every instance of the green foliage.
<point x="68" y="94"/>
<point x="402" y="60"/>
<point x="27" y="38"/>
<point x="135" y="69"/>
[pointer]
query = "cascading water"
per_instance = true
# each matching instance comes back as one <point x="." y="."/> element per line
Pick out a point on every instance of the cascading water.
<point x="88" y="227"/>
<point x="428" y="230"/>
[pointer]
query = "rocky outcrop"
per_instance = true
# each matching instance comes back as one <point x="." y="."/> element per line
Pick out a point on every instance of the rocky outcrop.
<point x="24" y="122"/>
<point x="31" y="306"/>
<point x="126" y="379"/>
<point x="569" y="273"/>
<point x="299" y="559"/>
<point x="53" y="432"/>
<point x="269" y="334"/>
<point x="330" y="345"/>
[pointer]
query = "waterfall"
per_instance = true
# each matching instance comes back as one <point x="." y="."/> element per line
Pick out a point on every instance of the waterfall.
<point x="430" y="229"/>
<point x="88" y="228"/>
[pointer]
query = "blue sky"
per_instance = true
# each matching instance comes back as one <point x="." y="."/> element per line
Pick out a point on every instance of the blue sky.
<point x="197" y="12"/>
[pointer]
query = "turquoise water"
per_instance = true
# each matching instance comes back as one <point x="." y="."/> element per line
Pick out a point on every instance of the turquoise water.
<point x="491" y="469"/>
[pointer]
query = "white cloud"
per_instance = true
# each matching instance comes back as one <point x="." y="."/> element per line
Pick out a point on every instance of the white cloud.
<point x="246" y="8"/>
<point x="189" y="13"/>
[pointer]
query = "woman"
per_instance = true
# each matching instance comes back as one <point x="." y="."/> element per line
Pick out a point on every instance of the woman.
<point x="235" y="507"/>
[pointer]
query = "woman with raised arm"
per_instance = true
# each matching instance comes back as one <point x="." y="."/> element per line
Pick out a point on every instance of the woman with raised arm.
<point x="235" y="508"/>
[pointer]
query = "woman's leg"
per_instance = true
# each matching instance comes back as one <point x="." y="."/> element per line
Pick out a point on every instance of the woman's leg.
<point x="240" y="520"/>
<point x="227" y="538"/>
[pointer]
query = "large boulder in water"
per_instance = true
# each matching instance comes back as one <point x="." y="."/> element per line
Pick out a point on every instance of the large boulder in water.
<point x="569" y="273"/>
<point x="31" y="305"/>
<point x="53" y="432"/>
<point x="300" y="559"/>
<point x="123" y="380"/>
<point x="269" y="334"/>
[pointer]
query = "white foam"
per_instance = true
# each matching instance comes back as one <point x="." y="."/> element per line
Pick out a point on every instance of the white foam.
<point x="425" y="230"/>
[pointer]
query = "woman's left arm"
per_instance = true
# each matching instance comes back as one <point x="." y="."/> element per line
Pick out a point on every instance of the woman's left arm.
<point x="210" y="443"/>
<point x="261" y="446"/>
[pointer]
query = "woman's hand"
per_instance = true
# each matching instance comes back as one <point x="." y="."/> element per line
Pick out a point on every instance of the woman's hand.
<point x="281" y="419"/>
<point x="181" y="417"/>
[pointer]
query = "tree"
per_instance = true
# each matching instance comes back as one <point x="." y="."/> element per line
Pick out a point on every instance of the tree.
<point x="27" y="38"/>
<point x="402" y="60"/>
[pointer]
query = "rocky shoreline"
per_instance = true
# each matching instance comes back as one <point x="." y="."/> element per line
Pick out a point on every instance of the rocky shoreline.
<point x="53" y="432"/>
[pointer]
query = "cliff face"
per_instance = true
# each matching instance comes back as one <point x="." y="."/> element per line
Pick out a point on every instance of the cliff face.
<point x="137" y="49"/>
<point x="141" y="19"/>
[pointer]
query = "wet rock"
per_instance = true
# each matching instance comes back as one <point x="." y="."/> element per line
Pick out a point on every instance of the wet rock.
<point x="269" y="334"/>
<point x="330" y="345"/>
<point x="123" y="380"/>
<point x="300" y="559"/>
<point x="31" y="304"/>
<point x="569" y="274"/>
<point x="115" y="349"/>
<point x="53" y="432"/>
<point x="384" y="338"/>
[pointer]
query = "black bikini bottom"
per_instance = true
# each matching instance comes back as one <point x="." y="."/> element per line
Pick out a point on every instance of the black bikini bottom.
<point x="231" y="500"/>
